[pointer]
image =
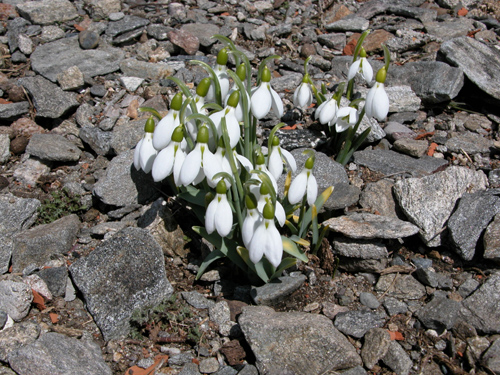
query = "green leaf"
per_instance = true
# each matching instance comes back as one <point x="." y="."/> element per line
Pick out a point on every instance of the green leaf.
<point x="291" y="248"/>
<point x="314" y="217"/>
<point x="258" y="268"/>
<point x="212" y="257"/>
<point x="193" y="196"/>
<point x="306" y="220"/>
<point x="285" y="263"/>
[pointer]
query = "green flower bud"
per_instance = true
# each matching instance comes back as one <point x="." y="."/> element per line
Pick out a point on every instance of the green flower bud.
<point x="221" y="187"/>
<point x="381" y="75"/>
<point x="268" y="211"/>
<point x="362" y="52"/>
<point x="261" y="159"/>
<point x="203" y="135"/>
<point x="266" y="75"/>
<point x="176" y="102"/>
<point x="150" y="125"/>
<point x="276" y="141"/>
<point x="264" y="190"/>
<point x="234" y="98"/>
<point x="203" y="86"/>
<point x="310" y="163"/>
<point x="251" y="201"/>
<point x="222" y="57"/>
<point x="178" y="134"/>
<point x="241" y="71"/>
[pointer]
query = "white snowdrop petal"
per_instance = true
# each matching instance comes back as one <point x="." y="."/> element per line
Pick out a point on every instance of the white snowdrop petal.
<point x="275" y="163"/>
<point x="147" y="154"/>
<point x="312" y="189"/>
<point x="380" y="103"/>
<point x="164" y="129"/>
<point x="250" y="224"/>
<point x="319" y="109"/>
<point x="180" y="156"/>
<point x="211" y="167"/>
<point x="247" y="164"/>
<point x="297" y="188"/>
<point x="369" y="100"/>
<point x="260" y="103"/>
<point x="210" y="215"/>
<point x="353" y="70"/>
<point x="329" y="111"/>
<point x="137" y="153"/>
<point x="280" y="214"/>
<point x="190" y="167"/>
<point x="290" y="160"/>
<point x="163" y="164"/>
<point x="277" y="104"/>
<point x="367" y="71"/>
<point x="258" y="243"/>
<point x="224" y="217"/>
<point x="274" y="252"/>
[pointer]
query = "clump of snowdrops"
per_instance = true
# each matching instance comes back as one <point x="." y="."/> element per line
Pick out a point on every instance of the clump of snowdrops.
<point x="206" y="147"/>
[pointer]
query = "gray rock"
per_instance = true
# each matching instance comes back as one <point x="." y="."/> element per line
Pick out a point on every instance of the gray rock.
<point x="333" y="40"/>
<point x="197" y="300"/>
<point x="11" y="111"/>
<point x="125" y="136"/>
<point x="25" y="44"/>
<point x="369" y="300"/>
<point x="427" y="276"/>
<point x="126" y="24"/>
<point x="16" y="337"/>
<point x="124" y="273"/>
<point x="407" y="39"/>
<point x="391" y="163"/>
<point x="131" y="83"/>
<point x="277" y="290"/>
<point x="344" y="195"/>
<point x="220" y="314"/>
<point x="397" y="359"/>
<point x="3" y="319"/>
<point x="49" y="99"/>
<point x="47" y="12"/>
<point x="394" y="306"/>
<point x="349" y="23"/>
<point x="142" y="69"/>
<point x="71" y="79"/>
<point x="103" y="8"/>
<point x="88" y="39"/>
<point x="472" y="215"/>
<point x="432" y="81"/>
<point x="54" y="353"/>
<point x="362" y="265"/>
<point x="478" y="61"/>
<point x="449" y="29"/>
<point x="491" y="357"/>
<point x="481" y="308"/>
<point x="369" y="226"/>
<point x="395" y="130"/>
<point x="53" y="147"/>
<point x="413" y="147"/>
<point x="249" y="370"/>
<point x="361" y="249"/>
<point x="56" y="279"/>
<point x="97" y="139"/>
<point x="439" y="314"/>
<point x="202" y="31"/>
<point x="375" y="347"/>
<point x="471" y="143"/>
<point x="429" y="201"/>
<point x="491" y="240"/>
<point x="208" y="365"/>
<point x="301" y="343"/>
<point x="51" y="33"/>
<point x="30" y="171"/>
<point x="92" y="62"/>
<point x="357" y="322"/>
<point x="4" y="148"/>
<point x="123" y="185"/>
<point x="300" y="138"/>
<point x="37" y="245"/>
<point x="182" y="359"/>
<point x="15" y="299"/>
<point x="468" y="287"/>
<point x="157" y="31"/>
<point x="400" y="286"/>
<point x="378" y="197"/>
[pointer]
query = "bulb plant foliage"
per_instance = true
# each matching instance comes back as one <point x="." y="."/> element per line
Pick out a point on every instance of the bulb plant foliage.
<point x="206" y="148"/>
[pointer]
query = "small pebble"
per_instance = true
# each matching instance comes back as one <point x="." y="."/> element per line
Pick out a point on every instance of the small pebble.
<point x="369" y="300"/>
<point x="88" y="39"/>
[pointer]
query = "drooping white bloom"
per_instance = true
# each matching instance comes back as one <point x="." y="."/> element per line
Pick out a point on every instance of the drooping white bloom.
<point x="145" y="153"/>
<point x="264" y="98"/>
<point x="266" y="240"/>
<point x="170" y="159"/>
<point x="239" y="108"/>
<point x="377" y="102"/>
<point x="327" y="112"/>
<point x="252" y="221"/>
<point x="219" y="216"/>
<point x="363" y="67"/>
<point x="164" y="129"/>
<point x="304" y="183"/>
<point x="279" y="212"/>
<point x="346" y="117"/>
<point x="220" y="71"/>
<point x="232" y="124"/>
<point x="277" y="157"/>
<point x="303" y="96"/>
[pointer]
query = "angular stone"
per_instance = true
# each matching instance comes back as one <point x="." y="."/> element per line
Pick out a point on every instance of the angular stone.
<point x="439" y="314"/>
<point x="369" y="226"/>
<point x="400" y="286"/>
<point x="155" y="71"/>
<point x="53" y="147"/>
<point x="97" y="139"/>
<point x="361" y="249"/>
<point x="481" y="308"/>
<point x="103" y="8"/>
<point x="17" y="336"/>
<point x="11" y="111"/>
<point x="301" y="343"/>
<point x="390" y="163"/>
<point x="472" y="215"/>
<point x="491" y="357"/>
<point x="203" y="32"/>
<point x="471" y="143"/>
<point x="491" y="240"/>
<point x="362" y="265"/>
<point x="54" y="353"/>
<point x="479" y="62"/>
<point x="432" y="81"/>
<point x="395" y="130"/>
<point x="197" y="300"/>
<point x="47" y="12"/>
<point x="124" y="273"/>
<point x="375" y="347"/>
<point x="378" y="198"/>
<point x="30" y="171"/>
<point x="36" y="245"/>
<point x="126" y="24"/>
<point x="397" y="359"/>
<point x="277" y="290"/>
<point x="450" y="29"/>
<point x="349" y="23"/>
<point x="15" y="299"/>
<point x="333" y="40"/>
<point x="91" y="62"/>
<point x="49" y="99"/>
<point x="71" y="79"/>
<point x="56" y="279"/>
<point x="429" y="201"/>
<point x="356" y="323"/>
<point x="413" y="147"/>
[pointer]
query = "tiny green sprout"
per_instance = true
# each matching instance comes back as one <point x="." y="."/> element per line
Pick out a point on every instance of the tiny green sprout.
<point x="222" y="57"/>
<point x="234" y="98"/>
<point x="203" y="86"/>
<point x="176" y="102"/>
<point x="149" y="127"/>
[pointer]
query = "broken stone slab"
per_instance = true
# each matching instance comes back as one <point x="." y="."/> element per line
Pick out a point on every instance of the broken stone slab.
<point x="491" y="240"/>
<point x="276" y="291"/>
<point x="38" y="244"/>
<point x="449" y="29"/>
<point x="391" y="163"/>
<point x="54" y="353"/>
<point x="432" y="81"/>
<point x="301" y="343"/>
<point x="15" y="299"/>
<point x="47" y="12"/>
<point x="356" y="323"/>
<point x="469" y="142"/>
<point x="429" y="201"/>
<point x="123" y="274"/>
<point x="375" y="347"/>
<point x="400" y="286"/>
<point x="91" y="62"/>
<point x="439" y="314"/>
<point x="11" y="111"/>
<point x="481" y="308"/>
<point x="397" y="359"/>
<point x="368" y="226"/>
<point x="473" y="214"/>
<point x="479" y="62"/>
<point x="142" y="69"/>
<point x="49" y="99"/>
<point x="360" y="249"/>
<point x="362" y="265"/>
<point x="17" y="336"/>
<point x="53" y="147"/>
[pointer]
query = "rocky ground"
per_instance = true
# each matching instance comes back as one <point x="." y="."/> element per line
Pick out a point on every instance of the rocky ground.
<point x="98" y="263"/>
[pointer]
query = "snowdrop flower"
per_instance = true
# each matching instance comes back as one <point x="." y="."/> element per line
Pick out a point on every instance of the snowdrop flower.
<point x="220" y="71"/>
<point x="277" y="157"/>
<point x="304" y="183"/>
<point x="264" y="98"/>
<point x="361" y="66"/>
<point x="199" y="100"/>
<point x="327" y="112"/>
<point x="377" y="101"/>
<point x="253" y="218"/>
<point x="261" y="166"/>
<point x="303" y="96"/>
<point x="266" y="239"/>
<point x="346" y="117"/>
<point x="163" y="132"/>
<point x="170" y="159"/>
<point x="145" y="153"/>
<point x="264" y="198"/>
<point x="232" y="124"/>
<point x="200" y="162"/>
<point x="219" y="216"/>
<point x="241" y="73"/>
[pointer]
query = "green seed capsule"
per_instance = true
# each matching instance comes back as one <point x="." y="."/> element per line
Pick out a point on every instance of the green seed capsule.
<point x="178" y="134"/>
<point x="150" y="125"/>
<point x="276" y="141"/>
<point x="266" y="75"/>
<point x="264" y="190"/>
<point x="268" y="211"/>
<point x="203" y="86"/>
<point x="222" y="57"/>
<point x="234" y="98"/>
<point x="362" y="52"/>
<point x="261" y="159"/>
<point x="176" y="102"/>
<point x="203" y="135"/>
<point x="310" y="163"/>
<point x="241" y="71"/>
<point x="381" y="75"/>
<point x="251" y="201"/>
<point x="221" y="187"/>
